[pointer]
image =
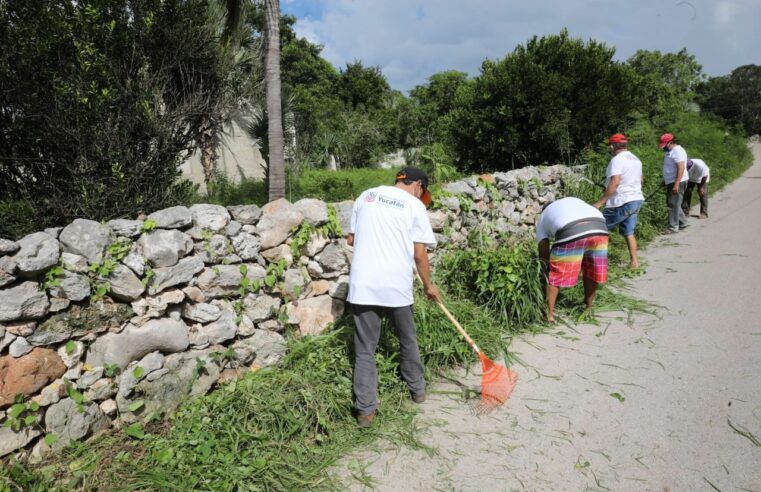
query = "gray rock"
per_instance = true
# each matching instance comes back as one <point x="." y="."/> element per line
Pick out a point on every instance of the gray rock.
<point x="438" y="220"/>
<point x="246" y="327"/>
<point x="24" y="301"/>
<point x="506" y="208"/>
<point x="245" y="214"/>
<point x="181" y="273"/>
<point x="172" y="217"/>
<point x="51" y="393"/>
<point x="109" y="407"/>
<point x="219" y="331"/>
<point x="451" y="203"/>
<point x="125" y="227"/>
<point x="201" y="313"/>
<point x="271" y="325"/>
<point x="86" y="238"/>
<point x="316" y="243"/>
<point x="154" y="307"/>
<point x="263" y="348"/>
<point x="128" y="380"/>
<point x="247" y="246"/>
<point x="314" y="211"/>
<point x="65" y="420"/>
<point x="343" y="211"/>
<point x="210" y="217"/>
<point x="233" y="228"/>
<point x="20" y="347"/>
<point x="71" y="358"/>
<point x="72" y="286"/>
<point x="101" y="389"/>
<point x="459" y="188"/>
<point x="213" y="249"/>
<point x="11" y="441"/>
<point x="333" y="259"/>
<point x="58" y="304"/>
<point x="88" y="378"/>
<point x="8" y="247"/>
<point x="135" y="261"/>
<point x="80" y="321"/>
<point x="314" y="269"/>
<point x="340" y="288"/>
<point x="74" y="263"/>
<point x="163" y="248"/>
<point x="53" y="231"/>
<point x="125" y="286"/>
<point x="19" y="328"/>
<point x="281" y="252"/>
<point x="479" y="193"/>
<point x="8" y="267"/>
<point x="37" y="252"/>
<point x="261" y="307"/>
<point x="278" y="218"/>
<point x="6" y="340"/>
<point x="315" y="314"/>
<point x="163" y="334"/>
<point x="294" y="283"/>
<point x="223" y="280"/>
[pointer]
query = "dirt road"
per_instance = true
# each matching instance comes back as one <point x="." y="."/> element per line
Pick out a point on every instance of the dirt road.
<point x="647" y="403"/>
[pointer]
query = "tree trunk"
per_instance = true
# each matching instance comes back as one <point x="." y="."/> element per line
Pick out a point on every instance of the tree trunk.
<point x="208" y="155"/>
<point x="274" y="112"/>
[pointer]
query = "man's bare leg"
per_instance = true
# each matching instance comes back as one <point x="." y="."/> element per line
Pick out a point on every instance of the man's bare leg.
<point x="590" y="290"/>
<point x="631" y="242"/>
<point x="552" y="297"/>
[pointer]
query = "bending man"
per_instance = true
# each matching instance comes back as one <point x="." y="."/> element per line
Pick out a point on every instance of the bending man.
<point x="580" y="242"/>
<point x="623" y="193"/>
<point x="390" y="231"/>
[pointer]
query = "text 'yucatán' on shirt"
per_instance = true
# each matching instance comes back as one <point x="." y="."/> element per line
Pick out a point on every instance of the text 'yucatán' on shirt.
<point x="569" y="219"/>
<point x="386" y="222"/>
<point x="629" y="167"/>
<point x="670" y="160"/>
<point x="699" y="170"/>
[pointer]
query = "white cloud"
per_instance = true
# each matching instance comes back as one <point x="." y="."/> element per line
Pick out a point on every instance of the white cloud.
<point x="413" y="39"/>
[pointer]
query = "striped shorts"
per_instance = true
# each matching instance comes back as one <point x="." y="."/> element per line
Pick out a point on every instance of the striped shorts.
<point x="589" y="253"/>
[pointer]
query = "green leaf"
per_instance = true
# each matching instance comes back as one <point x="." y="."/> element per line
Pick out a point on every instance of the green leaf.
<point x="30" y="419"/>
<point x="618" y="396"/>
<point x="50" y="439"/>
<point x="135" y="430"/>
<point x="34" y="406"/>
<point x="138" y="372"/>
<point x="70" y="347"/>
<point x="17" y="410"/>
<point x="135" y="406"/>
<point x="76" y="395"/>
<point x="270" y="280"/>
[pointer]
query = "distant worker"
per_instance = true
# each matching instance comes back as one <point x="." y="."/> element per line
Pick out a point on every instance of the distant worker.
<point x="390" y="231"/>
<point x="580" y="237"/>
<point x="675" y="180"/>
<point x="623" y="193"/>
<point x="699" y="176"/>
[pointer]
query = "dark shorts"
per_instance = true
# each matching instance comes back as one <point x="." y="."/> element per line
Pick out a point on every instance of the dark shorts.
<point x="625" y="217"/>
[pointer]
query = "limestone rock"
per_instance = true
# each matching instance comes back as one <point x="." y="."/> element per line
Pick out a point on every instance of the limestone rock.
<point x="260" y="307"/>
<point x="8" y="247"/>
<point x="51" y="393"/>
<point x="23" y="301"/>
<point x="72" y="286"/>
<point x="79" y="321"/>
<point x="246" y="327"/>
<point x="6" y="340"/>
<point x="37" y="252"/>
<point x="71" y="357"/>
<point x="74" y="263"/>
<point x="201" y="313"/>
<point x="148" y="364"/>
<point x="19" y="347"/>
<point x="223" y="280"/>
<point x="65" y="420"/>
<point x="86" y="238"/>
<point x="125" y="286"/>
<point x="194" y="294"/>
<point x="213" y="249"/>
<point x="315" y="314"/>
<point x="163" y="334"/>
<point x="246" y="246"/>
<point x="438" y="220"/>
<point x="181" y="273"/>
<point x="219" y="331"/>
<point x="125" y="227"/>
<point x="451" y="203"/>
<point x="27" y="374"/>
<point x="318" y="288"/>
<point x="294" y="283"/>
<point x="314" y="211"/>
<point x="343" y="211"/>
<point x="333" y="259"/>
<point x="210" y="217"/>
<point x="172" y="218"/>
<point x="316" y="243"/>
<point x="233" y="228"/>
<point x="262" y="349"/>
<point x="88" y="378"/>
<point x="163" y="248"/>
<point x="281" y="252"/>
<point x="19" y="328"/>
<point x="245" y="214"/>
<point x="101" y="389"/>
<point x="340" y="288"/>
<point x="459" y="188"/>
<point x="11" y="441"/>
<point x="278" y="218"/>
<point x="109" y="407"/>
<point x="135" y="260"/>
<point x="8" y="268"/>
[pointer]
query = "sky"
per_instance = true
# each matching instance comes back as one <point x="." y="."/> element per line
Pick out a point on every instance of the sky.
<point x="410" y="40"/>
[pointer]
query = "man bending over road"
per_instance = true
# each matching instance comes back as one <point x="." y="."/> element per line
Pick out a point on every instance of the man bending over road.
<point x="580" y="242"/>
<point x="390" y="231"/>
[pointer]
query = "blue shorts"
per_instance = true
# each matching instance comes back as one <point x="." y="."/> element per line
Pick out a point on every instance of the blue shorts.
<point x="625" y="217"/>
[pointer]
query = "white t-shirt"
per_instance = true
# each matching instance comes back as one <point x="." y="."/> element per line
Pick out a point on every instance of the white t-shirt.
<point x="677" y="154"/>
<point x="386" y="222"/>
<point x="699" y="170"/>
<point x="629" y="167"/>
<point x="560" y="213"/>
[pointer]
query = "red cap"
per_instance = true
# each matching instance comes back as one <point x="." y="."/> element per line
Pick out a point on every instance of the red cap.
<point x="665" y="139"/>
<point x="618" y="138"/>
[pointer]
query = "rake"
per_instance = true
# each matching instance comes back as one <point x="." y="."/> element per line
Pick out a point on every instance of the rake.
<point x="497" y="381"/>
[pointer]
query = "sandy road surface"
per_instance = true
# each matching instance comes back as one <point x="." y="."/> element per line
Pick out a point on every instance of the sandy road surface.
<point x="684" y="376"/>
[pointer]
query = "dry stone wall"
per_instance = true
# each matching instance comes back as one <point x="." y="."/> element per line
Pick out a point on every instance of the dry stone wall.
<point x="107" y="324"/>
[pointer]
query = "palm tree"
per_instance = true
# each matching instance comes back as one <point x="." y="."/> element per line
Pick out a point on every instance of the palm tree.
<point x="275" y="138"/>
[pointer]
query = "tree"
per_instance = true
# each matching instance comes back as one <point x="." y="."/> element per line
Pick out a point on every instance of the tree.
<point x="544" y="102"/>
<point x="276" y="172"/>
<point x="665" y="83"/>
<point x="735" y="97"/>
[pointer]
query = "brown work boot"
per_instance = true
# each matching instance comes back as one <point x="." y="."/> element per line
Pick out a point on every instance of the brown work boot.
<point x="418" y="398"/>
<point x="365" y="421"/>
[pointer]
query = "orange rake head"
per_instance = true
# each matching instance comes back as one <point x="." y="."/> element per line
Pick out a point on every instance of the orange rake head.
<point x="497" y="382"/>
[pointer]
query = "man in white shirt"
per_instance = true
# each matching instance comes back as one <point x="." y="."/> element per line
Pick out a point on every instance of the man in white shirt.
<point x="623" y="193"/>
<point x="699" y="176"/>
<point x="580" y="237"/>
<point x="675" y="179"/>
<point x="390" y="231"/>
